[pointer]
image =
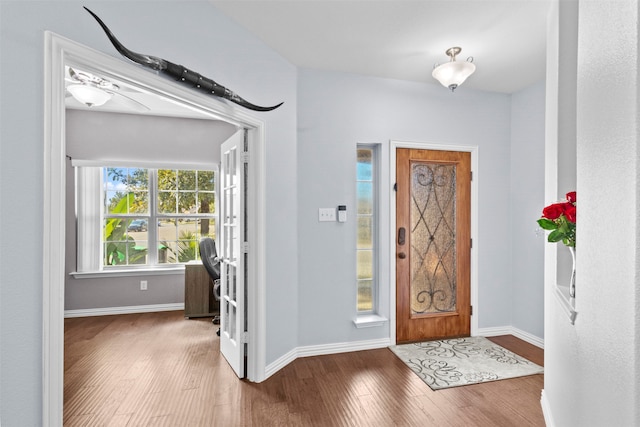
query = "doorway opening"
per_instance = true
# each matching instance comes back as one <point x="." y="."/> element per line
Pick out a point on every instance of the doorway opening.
<point x="58" y="53"/>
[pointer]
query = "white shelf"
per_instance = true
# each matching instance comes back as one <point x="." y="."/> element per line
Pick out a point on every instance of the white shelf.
<point x="567" y="303"/>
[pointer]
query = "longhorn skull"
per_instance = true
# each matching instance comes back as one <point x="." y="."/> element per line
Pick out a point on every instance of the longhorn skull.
<point x="180" y="73"/>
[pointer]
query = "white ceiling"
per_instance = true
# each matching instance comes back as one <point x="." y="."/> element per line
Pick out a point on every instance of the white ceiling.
<point x="403" y="39"/>
<point x="399" y="39"/>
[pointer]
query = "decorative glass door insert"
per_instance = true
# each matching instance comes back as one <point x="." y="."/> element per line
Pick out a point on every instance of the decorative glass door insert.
<point x="433" y="238"/>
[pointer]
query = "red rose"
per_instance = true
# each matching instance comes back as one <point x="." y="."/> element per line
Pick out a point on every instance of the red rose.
<point x="570" y="212"/>
<point x="571" y="197"/>
<point x="553" y="211"/>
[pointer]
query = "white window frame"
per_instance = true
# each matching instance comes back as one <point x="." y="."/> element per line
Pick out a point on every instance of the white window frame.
<point x="90" y="220"/>
<point x="378" y="315"/>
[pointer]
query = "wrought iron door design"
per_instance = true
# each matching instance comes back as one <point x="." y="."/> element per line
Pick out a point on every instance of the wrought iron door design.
<point x="433" y="238"/>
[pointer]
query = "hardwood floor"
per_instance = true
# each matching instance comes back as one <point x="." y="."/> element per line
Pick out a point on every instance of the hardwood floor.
<point x="160" y="369"/>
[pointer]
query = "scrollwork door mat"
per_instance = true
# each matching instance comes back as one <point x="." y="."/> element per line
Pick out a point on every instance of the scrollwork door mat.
<point x="463" y="361"/>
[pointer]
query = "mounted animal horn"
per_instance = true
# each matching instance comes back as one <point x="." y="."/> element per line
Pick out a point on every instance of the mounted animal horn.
<point x="180" y="73"/>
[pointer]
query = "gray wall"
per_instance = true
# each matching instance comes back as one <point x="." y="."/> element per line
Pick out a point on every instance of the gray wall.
<point x="526" y="202"/>
<point x="92" y="135"/>
<point x="193" y="33"/>
<point x="337" y="111"/>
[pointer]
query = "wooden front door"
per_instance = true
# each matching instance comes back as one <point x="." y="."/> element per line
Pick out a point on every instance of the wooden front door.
<point x="433" y="244"/>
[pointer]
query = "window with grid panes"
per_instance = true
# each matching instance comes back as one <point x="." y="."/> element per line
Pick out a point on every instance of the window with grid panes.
<point x="155" y="216"/>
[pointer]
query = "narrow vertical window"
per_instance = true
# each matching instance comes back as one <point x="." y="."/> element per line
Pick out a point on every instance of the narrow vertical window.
<point x="126" y="214"/>
<point x="366" y="252"/>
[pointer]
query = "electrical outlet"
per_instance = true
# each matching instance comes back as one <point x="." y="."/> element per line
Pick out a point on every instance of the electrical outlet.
<point x="143" y="285"/>
<point x="326" y="214"/>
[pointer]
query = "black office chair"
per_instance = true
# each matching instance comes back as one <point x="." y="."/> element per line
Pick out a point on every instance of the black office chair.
<point x="211" y="263"/>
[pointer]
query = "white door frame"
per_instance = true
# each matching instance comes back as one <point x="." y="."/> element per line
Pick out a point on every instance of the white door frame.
<point x="58" y="52"/>
<point x="393" y="226"/>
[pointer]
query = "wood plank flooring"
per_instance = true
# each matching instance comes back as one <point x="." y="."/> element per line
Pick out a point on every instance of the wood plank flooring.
<point x="159" y="369"/>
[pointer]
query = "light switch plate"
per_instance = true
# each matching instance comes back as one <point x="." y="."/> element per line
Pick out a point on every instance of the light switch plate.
<point x="326" y="214"/>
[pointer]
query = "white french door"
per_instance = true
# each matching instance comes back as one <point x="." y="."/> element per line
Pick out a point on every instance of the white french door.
<point x="233" y="172"/>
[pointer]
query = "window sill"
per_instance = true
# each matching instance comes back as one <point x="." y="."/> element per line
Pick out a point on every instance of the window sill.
<point x="369" y="321"/>
<point x="178" y="269"/>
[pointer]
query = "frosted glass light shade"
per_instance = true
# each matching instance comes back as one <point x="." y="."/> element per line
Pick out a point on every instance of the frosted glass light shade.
<point x="89" y="95"/>
<point x="453" y="74"/>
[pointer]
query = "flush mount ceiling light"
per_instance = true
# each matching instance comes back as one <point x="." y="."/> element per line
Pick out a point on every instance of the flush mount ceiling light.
<point x="452" y="74"/>
<point x="89" y="95"/>
<point x="93" y="91"/>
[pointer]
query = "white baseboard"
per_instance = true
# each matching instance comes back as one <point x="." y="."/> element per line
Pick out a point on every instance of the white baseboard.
<point x="510" y="330"/>
<point x="318" y="350"/>
<point x="108" y="311"/>
<point x="280" y="363"/>
<point x="546" y="410"/>
<point x="495" y="331"/>
<point x="530" y="338"/>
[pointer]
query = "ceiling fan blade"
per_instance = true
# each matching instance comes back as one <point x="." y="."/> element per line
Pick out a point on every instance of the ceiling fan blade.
<point x="125" y="100"/>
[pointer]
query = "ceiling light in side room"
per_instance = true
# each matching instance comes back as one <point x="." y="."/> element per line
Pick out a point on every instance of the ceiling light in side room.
<point x="90" y="96"/>
<point x="452" y="74"/>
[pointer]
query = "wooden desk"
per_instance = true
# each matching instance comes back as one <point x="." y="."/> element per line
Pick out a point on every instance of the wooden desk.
<point x="198" y="293"/>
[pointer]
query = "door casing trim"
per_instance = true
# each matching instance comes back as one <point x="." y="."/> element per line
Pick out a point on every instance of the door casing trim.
<point x="59" y="50"/>
<point x="474" y="150"/>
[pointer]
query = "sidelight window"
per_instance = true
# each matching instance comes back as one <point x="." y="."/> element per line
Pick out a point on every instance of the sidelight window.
<point x="366" y="215"/>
